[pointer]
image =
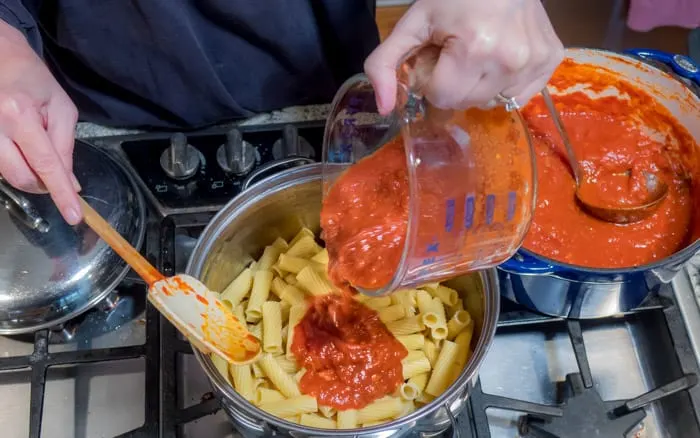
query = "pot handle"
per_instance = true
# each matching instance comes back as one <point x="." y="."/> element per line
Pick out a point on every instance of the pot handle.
<point x="522" y="263"/>
<point x="21" y="208"/>
<point x="257" y="173"/>
<point x="682" y="65"/>
<point x="453" y="421"/>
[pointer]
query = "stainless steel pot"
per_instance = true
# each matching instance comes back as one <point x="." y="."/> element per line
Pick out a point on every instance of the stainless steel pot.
<point x="571" y="291"/>
<point x="279" y="206"/>
<point x="51" y="272"/>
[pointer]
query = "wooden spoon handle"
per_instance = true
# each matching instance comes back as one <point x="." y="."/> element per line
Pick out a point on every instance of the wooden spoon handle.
<point x="103" y="229"/>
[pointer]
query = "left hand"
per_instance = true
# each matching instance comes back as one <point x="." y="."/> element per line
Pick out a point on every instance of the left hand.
<point x="488" y="47"/>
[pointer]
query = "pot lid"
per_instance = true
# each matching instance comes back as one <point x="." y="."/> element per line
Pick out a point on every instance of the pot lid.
<point x="51" y="271"/>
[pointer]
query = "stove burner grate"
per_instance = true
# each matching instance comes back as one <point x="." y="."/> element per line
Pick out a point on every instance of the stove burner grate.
<point x="582" y="413"/>
<point x="41" y="359"/>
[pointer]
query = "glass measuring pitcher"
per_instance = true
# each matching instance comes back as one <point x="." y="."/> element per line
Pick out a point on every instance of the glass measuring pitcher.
<point x="470" y="175"/>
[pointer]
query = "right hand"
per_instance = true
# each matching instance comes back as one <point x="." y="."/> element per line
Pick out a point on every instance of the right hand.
<point x="37" y="126"/>
<point x="487" y="48"/>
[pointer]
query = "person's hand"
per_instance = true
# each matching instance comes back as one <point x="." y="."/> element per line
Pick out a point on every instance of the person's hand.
<point x="37" y="125"/>
<point x="488" y="48"/>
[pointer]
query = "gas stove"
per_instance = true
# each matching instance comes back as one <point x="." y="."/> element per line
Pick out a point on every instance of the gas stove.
<point x="121" y="370"/>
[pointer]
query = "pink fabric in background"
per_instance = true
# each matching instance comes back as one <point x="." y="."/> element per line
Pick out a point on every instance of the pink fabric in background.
<point x="645" y="15"/>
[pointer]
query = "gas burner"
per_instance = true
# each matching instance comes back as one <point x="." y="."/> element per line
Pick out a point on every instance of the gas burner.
<point x="120" y="308"/>
<point x="117" y="310"/>
<point x="580" y="411"/>
<point x="584" y="413"/>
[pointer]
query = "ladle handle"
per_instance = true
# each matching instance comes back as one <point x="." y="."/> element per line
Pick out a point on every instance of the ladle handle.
<point x="682" y="65"/>
<point x="103" y="229"/>
<point x="573" y="162"/>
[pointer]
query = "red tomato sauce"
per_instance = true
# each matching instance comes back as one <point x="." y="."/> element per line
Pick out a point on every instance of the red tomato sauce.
<point x="611" y="139"/>
<point x="365" y="217"/>
<point x="350" y="357"/>
<point x="462" y="216"/>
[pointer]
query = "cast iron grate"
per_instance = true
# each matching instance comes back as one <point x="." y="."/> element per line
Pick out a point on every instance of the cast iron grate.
<point x="583" y="413"/>
<point x="41" y="359"/>
<point x="543" y="421"/>
<point x="164" y="418"/>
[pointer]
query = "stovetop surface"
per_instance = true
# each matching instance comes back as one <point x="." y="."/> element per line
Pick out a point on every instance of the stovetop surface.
<point x="122" y="370"/>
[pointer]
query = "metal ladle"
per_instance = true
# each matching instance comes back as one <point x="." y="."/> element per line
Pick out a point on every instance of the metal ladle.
<point x="621" y="214"/>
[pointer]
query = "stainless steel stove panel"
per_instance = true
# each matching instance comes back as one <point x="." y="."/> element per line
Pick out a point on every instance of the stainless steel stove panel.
<point x="194" y="383"/>
<point x="102" y="399"/>
<point x="627" y="358"/>
<point x="14" y="403"/>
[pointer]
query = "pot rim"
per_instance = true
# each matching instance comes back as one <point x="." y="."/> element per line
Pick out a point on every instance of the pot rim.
<point x="677" y="257"/>
<point x="141" y="235"/>
<point x="279" y="182"/>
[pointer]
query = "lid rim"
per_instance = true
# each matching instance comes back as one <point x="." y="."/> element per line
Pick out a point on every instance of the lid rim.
<point x="19" y="325"/>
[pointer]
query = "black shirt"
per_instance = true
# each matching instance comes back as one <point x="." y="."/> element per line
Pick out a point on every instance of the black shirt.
<point x="191" y="63"/>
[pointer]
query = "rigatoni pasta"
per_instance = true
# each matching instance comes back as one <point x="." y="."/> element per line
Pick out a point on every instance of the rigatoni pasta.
<point x="415" y="341"/>
<point x="457" y="323"/>
<point x="272" y="327"/>
<point x="296" y="313"/>
<point x="243" y="381"/>
<point x="315" y="420"/>
<point x="392" y="313"/>
<point x="288" y="407"/>
<point x="269" y="257"/>
<point x="347" y="419"/>
<point x="305" y="248"/>
<point x="238" y="288"/>
<point x="267" y="395"/>
<point x="382" y="409"/>
<point x="440" y="377"/>
<point x="447" y="295"/>
<point x="262" y="280"/>
<point x="406" y="326"/>
<point x="314" y="283"/>
<point x="271" y="296"/>
<point x="292" y="264"/>
<point x="279" y="378"/>
<point x="415" y="363"/>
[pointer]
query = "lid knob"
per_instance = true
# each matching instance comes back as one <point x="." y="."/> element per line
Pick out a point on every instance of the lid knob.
<point x="236" y="156"/>
<point x="292" y="145"/>
<point x="180" y="160"/>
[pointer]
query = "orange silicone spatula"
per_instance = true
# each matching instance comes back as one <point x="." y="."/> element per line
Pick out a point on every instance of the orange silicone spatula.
<point x="187" y="303"/>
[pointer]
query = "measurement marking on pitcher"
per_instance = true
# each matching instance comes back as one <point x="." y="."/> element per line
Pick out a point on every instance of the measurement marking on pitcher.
<point x="469" y="212"/>
<point x="433" y="247"/>
<point x="449" y="215"/>
<point x="354" y="104"/>
<point x="490" y="208"/>
<point x="511" y="206"/>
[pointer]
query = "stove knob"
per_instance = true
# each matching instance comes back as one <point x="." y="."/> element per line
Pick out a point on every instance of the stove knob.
<point x="180" y="160"/>
<point x="236" y="156"/>
<point x="292" y="145"/>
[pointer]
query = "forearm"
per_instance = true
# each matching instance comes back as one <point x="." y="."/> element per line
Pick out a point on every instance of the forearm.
<point x="17" y="22"/>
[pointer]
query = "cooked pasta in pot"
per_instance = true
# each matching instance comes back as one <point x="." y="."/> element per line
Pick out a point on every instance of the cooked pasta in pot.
<point x="429" y="324"/>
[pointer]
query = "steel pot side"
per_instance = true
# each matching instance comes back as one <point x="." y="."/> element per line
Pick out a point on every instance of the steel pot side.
<point x="279" y="206"/>
<point x="570" y="291"/>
